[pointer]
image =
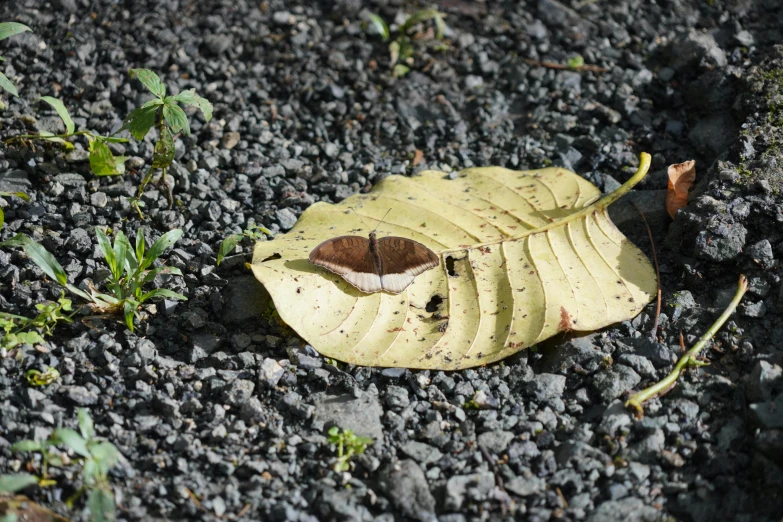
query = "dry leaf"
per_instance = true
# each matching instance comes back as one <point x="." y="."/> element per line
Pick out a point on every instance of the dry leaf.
<point x="681" y="179"/>
<point x="523" y="256"/>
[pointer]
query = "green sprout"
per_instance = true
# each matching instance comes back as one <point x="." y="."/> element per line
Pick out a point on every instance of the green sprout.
<point x="164" y="113"/>
<point x="253" y="232"/>
<point x="37" y="378"/>
<point x="102" y="161"/>
<point x="401" y="49"/>
<point x="576" y="62"/>
<point x="20" y="330"/>
<point x="8" y="29"/>
<point x="348" y="444"/>
<point x="129" y="272"/>
<point x="20" y="195"/>
<point x="97" y="455"/>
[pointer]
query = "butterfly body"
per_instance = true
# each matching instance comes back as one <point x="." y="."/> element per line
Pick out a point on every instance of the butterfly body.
<point x="372" y="265"/>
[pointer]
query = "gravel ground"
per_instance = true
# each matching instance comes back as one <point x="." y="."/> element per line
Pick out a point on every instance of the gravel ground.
<point x="212" y="399"/>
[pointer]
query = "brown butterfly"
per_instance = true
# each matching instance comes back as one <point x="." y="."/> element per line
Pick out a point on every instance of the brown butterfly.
<point x="390" y="263"/>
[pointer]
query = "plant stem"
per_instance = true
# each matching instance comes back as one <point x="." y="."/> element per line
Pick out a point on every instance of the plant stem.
<point x="39" y="137"/>
<point x="689" y="359"/>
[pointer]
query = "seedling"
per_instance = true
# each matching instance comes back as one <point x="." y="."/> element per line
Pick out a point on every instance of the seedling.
<point x="129" y="271"/>
<point x="348" y="444"/>
<point x="98" y="457"/>
<point x="253" y="232"/>
<point x="102" y="161"/>
<point x="8" y="29"/>
<point x="36" y="378"/>
<point x="576" y="62"/>
<point x="164" y="113"/>
<point x="20" y="195"/>
<point x="24" y="330"/>
<point x="689" y="360"/>
<point x="401" y="49"/>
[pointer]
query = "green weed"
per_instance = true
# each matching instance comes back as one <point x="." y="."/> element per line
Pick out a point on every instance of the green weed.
<point x="102" y="161"/>
<point x="164" y="113"/>
<point x="348" y="444"/>
<point x="97" y="456"/>
<point x="129" y="268"/>
<point x="401" y="48"/>
<point x="24" y="330"/>
<point x="253" y="232"/>
<point x="8" y="29"/>
<point x="20" y="195"/>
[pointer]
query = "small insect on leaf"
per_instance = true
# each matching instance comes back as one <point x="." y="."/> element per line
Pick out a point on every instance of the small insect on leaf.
<point x="681" y="179"/>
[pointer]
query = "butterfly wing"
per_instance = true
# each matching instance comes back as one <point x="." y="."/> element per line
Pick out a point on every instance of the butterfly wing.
<point x="349" y="257"/>
<point x="402" y="260"/>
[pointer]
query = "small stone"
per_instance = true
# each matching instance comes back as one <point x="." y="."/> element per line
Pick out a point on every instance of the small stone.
<point x="495" y="442"/>
<point x="671" y="459"/>
<point x="15" y="181"/>
<point x="230" y="140"/>
<point x="761" y="251"/>
<point x="477" y="485"/>
<point x="613" y="382"/>
<point x="525" y="486"/>
<point x="764" y="379"/>
<point x="768" y="414"/>
<point x="638" y="363"/>
<point x="420" y="452"/>
<point x="80" y="395"/>
<point x="238" y="392"/>
<point x="545" y="386"/>
<point x="253" y="411"/>
<point x="270" y="373"/>
<point x="696" y="48"/>
<point x="406" y="486"/>
<point x="98" y="199"/>
<point x="285" y="218"/>
<point x="361" y="414"/>
<point x="396" y="397"/>
<point x="484" y="401"/>
<point x="713" y="247"/>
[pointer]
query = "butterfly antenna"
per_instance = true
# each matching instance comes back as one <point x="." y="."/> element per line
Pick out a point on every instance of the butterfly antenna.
<point x="381" y="221"/>
<point x="360" y="218"/>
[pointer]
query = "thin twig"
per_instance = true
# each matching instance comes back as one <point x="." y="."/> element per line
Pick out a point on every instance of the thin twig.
<point x="689" y="359"/>
<point x="560" y="66"/>
<point x="654" y="331"/>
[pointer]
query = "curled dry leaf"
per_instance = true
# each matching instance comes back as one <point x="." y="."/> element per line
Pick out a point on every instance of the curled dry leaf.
<point x="522" y="256"/>
<point x="681" y="179"/>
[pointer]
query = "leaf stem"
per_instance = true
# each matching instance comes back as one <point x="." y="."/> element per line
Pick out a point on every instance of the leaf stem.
<point x="598" y="206"/>
<point x="689" y="359"/>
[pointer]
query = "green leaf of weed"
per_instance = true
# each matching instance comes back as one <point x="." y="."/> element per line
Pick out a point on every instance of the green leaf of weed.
<point x="380" y="25"/>
<point x="176" y="118"/>
<point x="189" y="97"/>
<point x="8" y="29"/>
<point x="101" y="504"/>
<point x="16" y="482"/>
<point x="227" y="246"/>
<point x="72" y="440"/>
<point x="141" y="119"/>
<point x="58" y="106"/>
<point x="164" y="242"/>
<point x="6" y="84"/>
<point x="101" y="159"/>
<point x="41" y="257"/>
<point x="26" y="445"/>
<point x="86" y="426"/>
<point x="150" y="80"/>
